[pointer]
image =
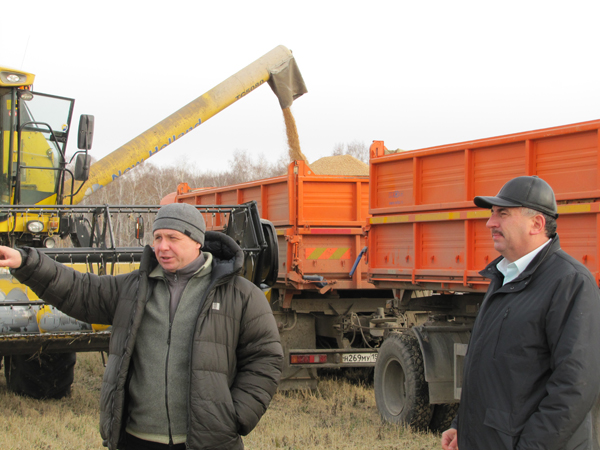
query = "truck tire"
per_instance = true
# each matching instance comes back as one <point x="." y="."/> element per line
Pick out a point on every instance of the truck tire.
<point x="47" y="375"/>
<point x="401" y="392"/>
<point x="442" y="417"/>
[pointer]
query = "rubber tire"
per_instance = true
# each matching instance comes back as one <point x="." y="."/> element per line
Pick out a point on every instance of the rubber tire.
<point x="47" y="375"/>
<point x="442" y="417"/>
<point x="401" y="392"/>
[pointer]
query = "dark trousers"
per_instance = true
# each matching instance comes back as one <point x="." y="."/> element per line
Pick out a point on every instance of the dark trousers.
<point x="134" y="443"/>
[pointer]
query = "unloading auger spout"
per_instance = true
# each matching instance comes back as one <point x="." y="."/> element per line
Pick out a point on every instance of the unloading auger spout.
<point x="278" y="68"/>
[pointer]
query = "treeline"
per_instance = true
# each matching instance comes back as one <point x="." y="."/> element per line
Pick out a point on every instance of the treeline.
<point x="147" y="184"/>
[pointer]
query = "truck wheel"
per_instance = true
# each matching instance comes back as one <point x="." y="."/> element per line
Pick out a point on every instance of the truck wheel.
<point x="442" y="417"/>
<point x="401" y="392"/>
<point x="47" y="375"/>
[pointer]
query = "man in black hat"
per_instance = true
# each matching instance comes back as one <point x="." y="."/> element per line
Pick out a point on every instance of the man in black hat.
<point x="531" y="373"/>
<point x="194" y="355"/>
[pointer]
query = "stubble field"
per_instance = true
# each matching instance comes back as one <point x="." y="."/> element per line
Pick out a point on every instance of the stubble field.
<point x="339" y="415"/>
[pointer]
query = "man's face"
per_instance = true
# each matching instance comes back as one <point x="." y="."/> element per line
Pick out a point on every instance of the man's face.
<point x="174" y="250"/>
<point x="511" y="232"/>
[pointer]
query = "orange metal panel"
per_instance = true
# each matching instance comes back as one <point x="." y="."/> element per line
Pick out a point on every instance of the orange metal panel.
<point x="333" y="260"/>
<point x="252" y="193"/>
<point x="448" y="177"/>
<point x="300" y="198"/>
<point x="442" y="178"/>
<point x="442" y="245"/>
<point x="331" y="202"/>
<point x="392" y="184"/>
<point x="229" y="197"/>
<point x="277" y="203"/>
<point x="569" y="163"/>
<point x="579" y="238"/>
<point x="391" y="247"/>
<point x="444" y="248"/>
<point x="320" y="221"/>
<point x="493" y="166"/>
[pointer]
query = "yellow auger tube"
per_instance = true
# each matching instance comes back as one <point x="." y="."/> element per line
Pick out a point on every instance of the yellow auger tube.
<point x="183" y="121"/>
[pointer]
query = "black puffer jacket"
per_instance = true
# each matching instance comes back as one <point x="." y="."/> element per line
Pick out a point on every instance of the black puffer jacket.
<point x="236" y="356"/>
<point x="531" y="370"/>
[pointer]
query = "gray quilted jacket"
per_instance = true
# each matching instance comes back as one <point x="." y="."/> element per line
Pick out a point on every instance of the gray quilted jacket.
<point x="236" y="355"/>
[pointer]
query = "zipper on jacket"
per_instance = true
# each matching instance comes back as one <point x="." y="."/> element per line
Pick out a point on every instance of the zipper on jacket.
<point x="500" y="330"/>
<point x="167" y="386"/>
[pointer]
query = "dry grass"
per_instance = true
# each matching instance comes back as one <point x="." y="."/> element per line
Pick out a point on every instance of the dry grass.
<point x="67" y="424"/>
<point x="339" y="415"/>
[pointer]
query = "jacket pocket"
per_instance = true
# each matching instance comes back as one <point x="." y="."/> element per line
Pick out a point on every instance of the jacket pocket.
<point x="500" y="422"/>
<point x="504" y="317"/>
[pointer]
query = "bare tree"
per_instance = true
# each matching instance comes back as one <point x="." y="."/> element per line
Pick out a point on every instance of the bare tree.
<point x="148" y="184"/>
<point x="359" y="150"/>
<point x="356" y="148"/>
<point x="339" y="149"/>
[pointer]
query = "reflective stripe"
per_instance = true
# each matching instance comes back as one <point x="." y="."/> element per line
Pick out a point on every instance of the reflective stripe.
<point x="327" y="253"/>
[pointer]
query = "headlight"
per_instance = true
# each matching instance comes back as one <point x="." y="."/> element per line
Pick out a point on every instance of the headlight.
<point x="49" y="243"/>
<point x="10" y="77"/>
<point x="35" y="226"/>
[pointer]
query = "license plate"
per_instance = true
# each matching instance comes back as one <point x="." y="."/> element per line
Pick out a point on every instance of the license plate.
<point x="350" y="358"/>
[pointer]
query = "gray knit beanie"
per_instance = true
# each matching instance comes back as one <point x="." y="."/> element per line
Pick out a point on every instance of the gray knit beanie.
<point x="181" y="217"/>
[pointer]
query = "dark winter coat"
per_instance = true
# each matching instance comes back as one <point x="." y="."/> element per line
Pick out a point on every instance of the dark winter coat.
<point x="531" y="369"/>
<point x="236" y="356"/>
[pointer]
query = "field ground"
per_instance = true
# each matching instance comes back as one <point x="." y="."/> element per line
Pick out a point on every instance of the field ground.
<point x="339" y="415"/>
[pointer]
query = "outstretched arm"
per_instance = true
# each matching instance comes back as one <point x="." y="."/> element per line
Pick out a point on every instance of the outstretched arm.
<point x="84" y="296"/>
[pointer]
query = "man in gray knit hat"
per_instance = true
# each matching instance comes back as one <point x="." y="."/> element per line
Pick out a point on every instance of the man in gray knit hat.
<point x="173" y="250"/>
<point x="194" y="356"/>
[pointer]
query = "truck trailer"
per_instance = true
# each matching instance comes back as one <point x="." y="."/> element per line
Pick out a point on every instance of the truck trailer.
<point x="383" y="271"/>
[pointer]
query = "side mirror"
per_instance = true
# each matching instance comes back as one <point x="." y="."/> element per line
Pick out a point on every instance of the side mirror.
<point x="139" y="227"/>
<point x="85" y="135"/>
<point x="82" y="167"/>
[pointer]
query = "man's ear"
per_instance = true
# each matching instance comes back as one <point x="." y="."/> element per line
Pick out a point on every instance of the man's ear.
<point x="538" y="224"/>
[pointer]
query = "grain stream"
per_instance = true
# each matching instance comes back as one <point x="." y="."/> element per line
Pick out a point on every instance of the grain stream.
<point x="291" y="131"/>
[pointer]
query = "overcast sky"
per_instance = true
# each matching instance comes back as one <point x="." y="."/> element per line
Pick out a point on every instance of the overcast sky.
<point x="412" y="73"/>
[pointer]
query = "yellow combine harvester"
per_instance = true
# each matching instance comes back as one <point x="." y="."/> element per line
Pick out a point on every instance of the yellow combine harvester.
<point x="39" y="205"/>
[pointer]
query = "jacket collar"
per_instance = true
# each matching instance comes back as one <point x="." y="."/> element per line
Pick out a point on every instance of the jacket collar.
<point x="201" y="265"/>
<point x="228" y="257"/>
<point x="491" y="271"/>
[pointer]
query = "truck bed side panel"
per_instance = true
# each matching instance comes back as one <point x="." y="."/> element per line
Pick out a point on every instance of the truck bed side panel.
<point x="427" y="233"/>
<point x="320" y="222"/>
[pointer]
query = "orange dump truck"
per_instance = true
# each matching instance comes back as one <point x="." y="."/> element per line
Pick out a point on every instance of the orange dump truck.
<point x="407" y="304"/>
